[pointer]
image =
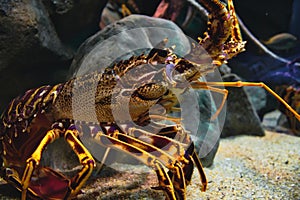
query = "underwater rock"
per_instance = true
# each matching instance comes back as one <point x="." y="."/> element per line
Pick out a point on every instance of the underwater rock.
<point x="186" y="16"/>
<point x="31" y="53"/>
<point x="207" y="140"/>
<point x="272" y="72"/>
<point x="134" y="35"/>
<point x="243" y="106"/>
<point x="258" y="98"/>
<point x="38" y="41"/>
<point x="241" y="117"/>
<point x="74" y="21"/>
<point x="27" y="31"/>
<point x="276" y="121"/>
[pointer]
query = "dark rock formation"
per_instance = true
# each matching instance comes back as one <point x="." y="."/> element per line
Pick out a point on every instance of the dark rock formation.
<point x="38" y="40"/>
<point x="241" y="117"/>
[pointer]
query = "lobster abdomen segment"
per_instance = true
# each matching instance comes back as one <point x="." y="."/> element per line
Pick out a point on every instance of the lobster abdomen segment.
<point x="24" y="124"/>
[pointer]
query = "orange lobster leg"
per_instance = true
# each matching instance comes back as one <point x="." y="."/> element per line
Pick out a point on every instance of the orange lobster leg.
<point x="140" y="150"/>
<point x="85" y="159"/>
<point x="173" y="183"/>
<point x="84" y="156"/>
<point x="178" y="140"/>
<point x="204" y="86"/>
<point x="242" y="84"/>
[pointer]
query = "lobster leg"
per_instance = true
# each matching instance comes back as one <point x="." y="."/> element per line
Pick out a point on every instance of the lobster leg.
<point x="179" y="175"/>
<point x="35" y="158"/>
<point x="171" y="132"/>
<point x="141" y="151"/>
<point x="164" y="181"/>
<point x="84" y="156"/>
<point x="251" y="84"/>
<point x="204" y="86"/>
<point x="85" y="159"/>
<point x="13" y="179"/>
<point x="188" y="166"/>
<point x="145" y="145"/>
<point x="199" y="166"/>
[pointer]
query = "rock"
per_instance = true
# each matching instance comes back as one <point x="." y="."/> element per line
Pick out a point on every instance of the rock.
<point x="26" y="30"/>
<point x="137" y="34"/>
<point x="208" y="134"/>
<point x="256" y="95"/>
<point x="60" y="156"/>
<point x="74" y="21"/>
<point x="258" y="98"/>
<point x="31" y="53"/>
<point x="38" y="40"/>
<point x="277" y="121"/>
<point x="126" y="37"/>
<point x="241" y="117"/>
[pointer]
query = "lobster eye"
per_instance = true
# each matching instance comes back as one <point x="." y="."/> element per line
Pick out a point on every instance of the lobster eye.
<point x="169" y="71"/>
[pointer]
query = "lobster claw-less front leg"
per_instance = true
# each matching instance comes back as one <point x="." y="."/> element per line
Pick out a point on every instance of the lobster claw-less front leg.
<point x="177" y="135"/>
<point x="170" y="148"/>
<point x="44" y="182"/>
<point x="191" y="157"/>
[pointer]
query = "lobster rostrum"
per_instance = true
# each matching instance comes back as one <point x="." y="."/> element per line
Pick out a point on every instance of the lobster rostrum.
<point x="45" y="114"/>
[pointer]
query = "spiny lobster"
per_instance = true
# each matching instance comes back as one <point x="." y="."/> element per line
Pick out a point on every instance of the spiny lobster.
<point x="291" y="95"/>
<point x="45" y="114"/>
